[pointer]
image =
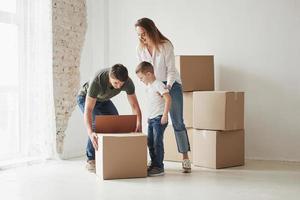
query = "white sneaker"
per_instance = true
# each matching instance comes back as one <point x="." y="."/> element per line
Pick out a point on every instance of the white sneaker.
<point x="91" y="166"/>
<point x="186" y="166"/>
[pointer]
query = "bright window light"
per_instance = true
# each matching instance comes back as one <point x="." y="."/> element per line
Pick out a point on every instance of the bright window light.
<point x="9" y="55"/>
<point x="8" y="6"/>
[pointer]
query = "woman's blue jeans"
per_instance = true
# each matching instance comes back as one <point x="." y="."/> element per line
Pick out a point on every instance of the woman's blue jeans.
<point x="176" y="113"/>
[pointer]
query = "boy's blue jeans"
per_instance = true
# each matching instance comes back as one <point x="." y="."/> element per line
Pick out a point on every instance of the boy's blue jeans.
<point x="156" y="141"/>
<point x="101" y="108"/>
<point x="176" y="113"/>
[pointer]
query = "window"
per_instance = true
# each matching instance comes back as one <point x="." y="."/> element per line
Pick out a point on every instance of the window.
<point x="9" y="84"/>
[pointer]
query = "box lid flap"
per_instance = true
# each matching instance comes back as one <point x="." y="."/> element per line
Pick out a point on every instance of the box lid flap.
<point x="115" y="123"/>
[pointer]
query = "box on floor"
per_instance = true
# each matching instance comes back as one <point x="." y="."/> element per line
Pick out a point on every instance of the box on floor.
<point x="121" y="153"/>
<point x="121" y="156"/>
<point x="218" y="149"/>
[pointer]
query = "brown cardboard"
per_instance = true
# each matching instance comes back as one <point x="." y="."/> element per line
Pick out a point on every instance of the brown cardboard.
<point x="217" y="149"/>
<point x="121" y="156"/>
<point x="196" y="72"/>
<point x="188" y="109"/>
<point x="170" y="146"/>
<point x="218" y="110"/>
<point x="115" y="123"/>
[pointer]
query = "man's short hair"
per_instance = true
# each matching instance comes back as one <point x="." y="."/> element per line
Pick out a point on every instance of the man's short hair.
<point x="144" y="67"/>
<point x="119" y="71"/>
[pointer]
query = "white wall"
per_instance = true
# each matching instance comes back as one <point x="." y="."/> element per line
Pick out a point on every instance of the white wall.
<point x="94" y="56"/>
<point x="255" y="43"/>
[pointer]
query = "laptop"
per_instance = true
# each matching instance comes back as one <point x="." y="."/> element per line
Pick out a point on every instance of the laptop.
<point x="115" y="123"/>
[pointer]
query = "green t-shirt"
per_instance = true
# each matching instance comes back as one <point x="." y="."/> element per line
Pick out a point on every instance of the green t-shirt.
<point x="99" y="87"/>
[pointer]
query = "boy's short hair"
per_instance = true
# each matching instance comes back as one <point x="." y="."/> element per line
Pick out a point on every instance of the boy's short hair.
<point x="119" y="72"/>
<point x="144" y="67"/>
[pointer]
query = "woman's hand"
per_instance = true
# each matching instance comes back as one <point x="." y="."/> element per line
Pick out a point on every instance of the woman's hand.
<point x="168" y="87"/>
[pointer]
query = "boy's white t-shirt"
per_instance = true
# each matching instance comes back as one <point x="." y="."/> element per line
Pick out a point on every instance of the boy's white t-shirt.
<point x="155" y="91"/>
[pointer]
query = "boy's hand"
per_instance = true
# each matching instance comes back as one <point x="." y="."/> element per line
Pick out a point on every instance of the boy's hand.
<point x="164" y="119"/>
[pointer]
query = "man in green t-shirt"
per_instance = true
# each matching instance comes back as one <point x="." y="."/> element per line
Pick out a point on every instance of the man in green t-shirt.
<point x="94" y="99"/>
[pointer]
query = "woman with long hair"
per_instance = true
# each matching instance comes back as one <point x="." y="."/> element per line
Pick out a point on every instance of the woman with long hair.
<point x="158" y="50"/>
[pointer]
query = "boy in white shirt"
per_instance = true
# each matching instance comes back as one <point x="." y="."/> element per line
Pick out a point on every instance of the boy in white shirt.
<point x="159" y="106"/>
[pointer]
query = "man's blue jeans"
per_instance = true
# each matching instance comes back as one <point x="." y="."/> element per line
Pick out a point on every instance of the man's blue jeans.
<point x="101" y="108"/>
<point x="176" y="113"/>
<point x="156" y="141"/>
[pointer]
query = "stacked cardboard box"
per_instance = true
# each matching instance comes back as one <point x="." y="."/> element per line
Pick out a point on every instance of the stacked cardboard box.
<point x="197" y="74"/>
<point x="218" y="110"/>
<point x="170" y="146"/>
<point x="218" y="138"/>
<point x="218" y="149"/>
<point x="121" y="153"/>
<point x="214" y="119"/>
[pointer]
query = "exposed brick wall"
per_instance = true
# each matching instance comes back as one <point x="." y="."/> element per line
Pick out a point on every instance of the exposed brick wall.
<point x="69" y="28"/>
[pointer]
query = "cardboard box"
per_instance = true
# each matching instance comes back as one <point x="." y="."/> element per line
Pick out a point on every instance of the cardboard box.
<point x="216" y="149"/>
<point x="218" y="110"/>
<point x="170" y="145"/>
<point x="121" y="156"/>
<point x="196" y="72"/>
<point x="121" y="153"/>
<point x="188" y="109"/>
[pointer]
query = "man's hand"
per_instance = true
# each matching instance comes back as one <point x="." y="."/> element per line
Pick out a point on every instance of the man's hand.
<point x="94" y="139"/>
<point x="88" y="109"/>
<point x="164" y="119"/>
<point x="138" y="127"/>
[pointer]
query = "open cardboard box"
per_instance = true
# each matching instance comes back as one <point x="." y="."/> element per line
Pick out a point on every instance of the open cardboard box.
<point x="121" y="152"/>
